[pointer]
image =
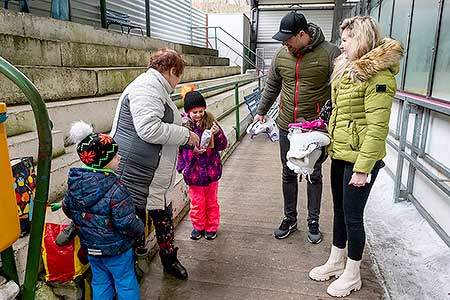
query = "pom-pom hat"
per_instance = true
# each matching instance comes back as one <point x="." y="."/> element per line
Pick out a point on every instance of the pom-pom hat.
<point x="95" y="150"/>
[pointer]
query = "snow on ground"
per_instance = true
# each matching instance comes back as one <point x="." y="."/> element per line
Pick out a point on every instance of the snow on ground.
<point x="413" y="261"/>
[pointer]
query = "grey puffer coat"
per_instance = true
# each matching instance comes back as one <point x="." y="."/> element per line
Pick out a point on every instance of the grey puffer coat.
<point x="147" y="128"/>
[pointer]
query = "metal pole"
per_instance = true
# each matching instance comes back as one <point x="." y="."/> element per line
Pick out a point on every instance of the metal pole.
<point x="408" y="38"/>
<point x="103" y="12"/>
<point x="424" y="137"/>
<point x="43" y="125"/>
<point x="207" y="33"/>
<point x="238" y="119"/>
<point x="435" y="49"/>
<point x="337" y="19"/>
<point x="418" y="111"/>
<point x="398" y="193"/>
<point x="147" y="18"/>
<point x="9" y="264"/>
<point x="215" y="36"/>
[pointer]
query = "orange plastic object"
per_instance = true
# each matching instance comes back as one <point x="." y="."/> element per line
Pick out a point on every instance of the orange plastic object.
<point x="9" y="220"/>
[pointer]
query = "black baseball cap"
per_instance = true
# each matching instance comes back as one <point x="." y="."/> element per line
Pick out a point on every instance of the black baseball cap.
<point x="290" y="25"/>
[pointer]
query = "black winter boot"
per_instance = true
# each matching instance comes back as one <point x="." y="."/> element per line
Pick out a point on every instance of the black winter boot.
<point x="172" y="265"/>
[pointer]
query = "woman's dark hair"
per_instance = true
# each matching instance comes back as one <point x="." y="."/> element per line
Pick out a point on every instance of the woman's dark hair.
<point x="165" y="59"/>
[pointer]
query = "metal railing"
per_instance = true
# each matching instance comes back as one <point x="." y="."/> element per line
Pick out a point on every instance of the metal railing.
<point x="259" y="60"/>
<point x="232" y="85"/>
<point x="414" y="152"/>
<point x="43" y="125"/>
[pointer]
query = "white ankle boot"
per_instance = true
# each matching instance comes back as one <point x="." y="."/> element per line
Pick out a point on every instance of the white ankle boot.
<point x="334" y="266"/>
<point x="348" y="282"/>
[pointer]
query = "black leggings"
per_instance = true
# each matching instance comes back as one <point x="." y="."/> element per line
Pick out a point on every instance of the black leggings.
<point x="349" y="203"/>
<point x="162" y="220"/>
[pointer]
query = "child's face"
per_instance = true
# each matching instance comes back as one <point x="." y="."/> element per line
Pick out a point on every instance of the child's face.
<point x="114" y="163"/>
<point x="197" y="114"/>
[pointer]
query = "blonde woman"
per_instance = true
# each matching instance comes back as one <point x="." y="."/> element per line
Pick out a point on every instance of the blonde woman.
<point x="363" y="86"/>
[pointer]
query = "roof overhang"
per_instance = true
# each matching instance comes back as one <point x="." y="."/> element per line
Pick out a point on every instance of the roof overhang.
<point x="257" y="3"/>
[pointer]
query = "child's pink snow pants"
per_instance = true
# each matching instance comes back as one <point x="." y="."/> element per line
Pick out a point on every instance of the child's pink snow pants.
<point x="205" y="211"/>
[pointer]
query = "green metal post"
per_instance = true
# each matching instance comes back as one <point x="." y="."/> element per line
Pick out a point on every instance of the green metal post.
<point x="9" y="264"/>
<point x="103" y="12"/>
<point x="43" y="126"/>
<point x="236" y="102"/>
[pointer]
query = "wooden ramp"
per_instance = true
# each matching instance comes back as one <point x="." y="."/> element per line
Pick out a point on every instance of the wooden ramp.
<point x="246" y="261"/>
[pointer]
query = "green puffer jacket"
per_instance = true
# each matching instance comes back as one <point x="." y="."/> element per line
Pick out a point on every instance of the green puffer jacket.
<point x="362" y="101"/>
<point x="303" y="80"/>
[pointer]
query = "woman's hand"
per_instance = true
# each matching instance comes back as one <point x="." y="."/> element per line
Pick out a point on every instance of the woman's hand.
<point x="215" y="128"/>
<point x="199" y="151"/>
<point x="358" y="179"/>
<point x="194" y="140"/>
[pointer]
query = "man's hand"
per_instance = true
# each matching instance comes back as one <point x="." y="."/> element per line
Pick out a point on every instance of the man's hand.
<point x="194" y="140"/>
<point x="260" y="118"/>
<point x="358" y="179"/>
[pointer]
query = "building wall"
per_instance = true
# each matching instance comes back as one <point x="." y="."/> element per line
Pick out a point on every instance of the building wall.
<point x="424" y="80"/>
<point x="233" y="24"/>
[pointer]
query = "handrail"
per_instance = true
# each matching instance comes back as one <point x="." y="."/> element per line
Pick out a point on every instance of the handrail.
<point x="236" y="84"/>
<point x="241" y="55"/>
<point x="43" y="125"/>
<point x="414" y="152"/>
<point x="230" y="35"/>
<point x="177" y="96"/>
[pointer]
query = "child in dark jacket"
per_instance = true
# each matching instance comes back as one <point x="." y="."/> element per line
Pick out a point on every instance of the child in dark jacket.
<point x="103" y="212"/>
<point x="202" y="167"/>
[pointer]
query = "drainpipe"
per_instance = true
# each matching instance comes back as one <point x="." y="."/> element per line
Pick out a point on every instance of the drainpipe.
<point x="147" y="18"/>
<point x="103" y="12"/>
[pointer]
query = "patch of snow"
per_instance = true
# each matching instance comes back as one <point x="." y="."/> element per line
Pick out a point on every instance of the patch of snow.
<point x="412" y="259"/>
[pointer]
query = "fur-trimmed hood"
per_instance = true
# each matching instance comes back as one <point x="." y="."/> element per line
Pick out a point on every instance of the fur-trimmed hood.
<point x="386" y="56"/>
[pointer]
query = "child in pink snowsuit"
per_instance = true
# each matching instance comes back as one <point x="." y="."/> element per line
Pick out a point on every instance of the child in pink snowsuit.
<point x="202" y="167"/>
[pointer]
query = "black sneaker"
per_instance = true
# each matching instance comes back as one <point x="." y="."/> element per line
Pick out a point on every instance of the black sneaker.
<point x="196" y="234"/>
<point x="314" y="234"/>
<point x="286" y="228"/>
<point x="211" y="235"/>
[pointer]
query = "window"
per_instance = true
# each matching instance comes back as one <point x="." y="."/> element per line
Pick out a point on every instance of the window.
<point x="423" y="30"/>
<point x="441" y="86"/>
<point x="385" y="17"/>
<point x="400" y="23"/>
<point x="374" y="12"/>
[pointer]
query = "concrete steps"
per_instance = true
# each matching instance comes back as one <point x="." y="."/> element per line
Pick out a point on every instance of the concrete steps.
<point x="29" y="51"/>
<point x="27" y="144"/>
<point x="100" y="112"/>
<point x="95" y="110"/>
<point x="57" y="83"/>
<point x="30" y="26"/>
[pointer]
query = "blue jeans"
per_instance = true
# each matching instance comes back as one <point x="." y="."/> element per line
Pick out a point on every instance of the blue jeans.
<point x="114" y="274"/>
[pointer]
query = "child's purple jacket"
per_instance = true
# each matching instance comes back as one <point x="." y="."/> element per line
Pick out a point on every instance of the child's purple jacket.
<point x="202" y="169"/>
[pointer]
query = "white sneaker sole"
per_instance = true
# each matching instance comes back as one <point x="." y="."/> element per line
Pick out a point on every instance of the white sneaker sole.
<point x="325" y="277"/>
<point x="340" y="294"/>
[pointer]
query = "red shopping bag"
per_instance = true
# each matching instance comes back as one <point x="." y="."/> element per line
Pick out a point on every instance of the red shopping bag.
<point x="62" y="263"/>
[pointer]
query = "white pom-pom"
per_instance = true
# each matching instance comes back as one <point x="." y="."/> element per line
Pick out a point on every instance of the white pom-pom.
<point x="79" y="131"/>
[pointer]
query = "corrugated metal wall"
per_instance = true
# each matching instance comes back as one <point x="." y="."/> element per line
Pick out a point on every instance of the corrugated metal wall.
<point x="86" y="12"/>
<point x="269" y="22"/>
<point x="170" y="20"/>
<point x="199" y="34"/>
